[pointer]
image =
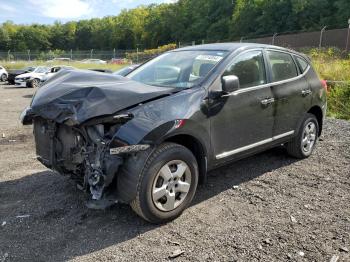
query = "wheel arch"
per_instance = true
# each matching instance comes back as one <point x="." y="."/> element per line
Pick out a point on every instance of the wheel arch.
<point x="196" y="147"/>
<point x="317" y="112"/>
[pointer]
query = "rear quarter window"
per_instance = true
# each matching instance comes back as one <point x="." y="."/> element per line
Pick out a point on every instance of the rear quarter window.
<point x="303" y="65"/>
<point x="282" y="66"/>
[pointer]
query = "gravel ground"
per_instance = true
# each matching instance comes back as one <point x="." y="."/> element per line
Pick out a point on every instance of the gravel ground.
<point x="265" y="208"/>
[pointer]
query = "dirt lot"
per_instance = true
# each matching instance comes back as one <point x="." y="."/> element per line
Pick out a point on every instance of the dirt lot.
<point x="265" y="208"/>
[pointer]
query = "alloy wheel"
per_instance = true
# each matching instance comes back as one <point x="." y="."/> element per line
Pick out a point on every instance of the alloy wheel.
<point x="309" y="137"/>
<point x="171" y="185"/>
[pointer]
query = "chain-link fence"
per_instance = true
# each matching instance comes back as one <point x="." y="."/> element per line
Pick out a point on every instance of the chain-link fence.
<point x="338" y="38"/>
<point x="69" y="55"/>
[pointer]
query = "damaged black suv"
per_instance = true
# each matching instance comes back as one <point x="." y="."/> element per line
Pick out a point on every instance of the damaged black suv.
<point x="149" y="138"/>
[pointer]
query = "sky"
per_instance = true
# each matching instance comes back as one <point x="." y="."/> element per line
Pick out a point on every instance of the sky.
<point x="49" y="11"/>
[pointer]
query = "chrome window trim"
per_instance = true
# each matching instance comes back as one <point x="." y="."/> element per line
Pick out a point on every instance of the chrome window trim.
<point x="271" y="84"/>
<point x="244" y="148"/>
<point x="248" y="89"/>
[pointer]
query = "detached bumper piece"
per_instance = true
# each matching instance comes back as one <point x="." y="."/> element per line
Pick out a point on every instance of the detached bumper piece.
<point x="128" y="149"/>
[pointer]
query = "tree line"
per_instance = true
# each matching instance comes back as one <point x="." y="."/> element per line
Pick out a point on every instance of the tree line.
<point x="186" y="20"/>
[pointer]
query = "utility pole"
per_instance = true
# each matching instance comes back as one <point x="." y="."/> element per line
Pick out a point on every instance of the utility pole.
<point x="92" y="50"/>
<point x="321" y="36"/>
<point x="137" y="55"/>
<point x="273" y="38"/>
<point x="8" y="55"/>
<point x="348" y="37"/>
<point x="28" y="52"/>
<point x="71" y="54"/>
<point x="241" y="40"/>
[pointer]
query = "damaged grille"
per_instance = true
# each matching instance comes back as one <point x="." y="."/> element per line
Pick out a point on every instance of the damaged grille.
<point x="78" y="151"/>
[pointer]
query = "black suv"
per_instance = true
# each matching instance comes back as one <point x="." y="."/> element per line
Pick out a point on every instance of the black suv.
<point x="149" y="138"/>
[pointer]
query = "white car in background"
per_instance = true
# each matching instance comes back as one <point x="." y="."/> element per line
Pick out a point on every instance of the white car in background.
<point x="94" y="61"/>
<point x="39" y="75"/>
<point x="32" y="79"/>
<point x="3" y="74"/>
<point x="54" y="70"/>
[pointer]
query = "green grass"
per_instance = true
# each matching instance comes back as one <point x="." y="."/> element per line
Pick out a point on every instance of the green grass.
<point x="21" y="64"/>
<point x="332" y="65"/>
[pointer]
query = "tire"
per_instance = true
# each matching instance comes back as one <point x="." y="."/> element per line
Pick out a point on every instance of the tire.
<point x="35" y="83"/>
<point x="152" y="185"/>
<point x="304" y="143"/>
<point x="3" y="77"/>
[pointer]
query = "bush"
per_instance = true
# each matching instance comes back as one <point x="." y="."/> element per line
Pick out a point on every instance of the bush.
<point x="339" y="101"/>
<point x="149" y="53"/>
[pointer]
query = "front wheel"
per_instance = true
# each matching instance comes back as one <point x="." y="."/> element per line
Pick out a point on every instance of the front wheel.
<point x="304" y="143"/>
<point x="167" y="185"/>
<point x="35" y="83"/>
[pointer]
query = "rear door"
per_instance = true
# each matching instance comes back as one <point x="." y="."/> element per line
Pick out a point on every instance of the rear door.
<point x="290" y="90"/>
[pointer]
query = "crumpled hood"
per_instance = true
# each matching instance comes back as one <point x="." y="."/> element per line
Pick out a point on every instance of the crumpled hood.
<point x="79" y="95"/>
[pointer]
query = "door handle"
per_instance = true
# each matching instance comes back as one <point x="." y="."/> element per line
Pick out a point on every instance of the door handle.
<point x="267" y="101"/>
<point x="305" y="92"/>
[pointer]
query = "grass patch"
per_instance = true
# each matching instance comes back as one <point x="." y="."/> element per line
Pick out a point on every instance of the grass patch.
<point x="333" y="65"/>
<point x="79" y="65"/>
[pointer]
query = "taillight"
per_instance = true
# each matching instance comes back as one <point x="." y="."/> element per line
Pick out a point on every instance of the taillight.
<point x="324" y="84"/>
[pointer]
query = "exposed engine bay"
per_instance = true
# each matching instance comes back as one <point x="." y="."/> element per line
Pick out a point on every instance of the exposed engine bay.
<point x="84" y="153"/>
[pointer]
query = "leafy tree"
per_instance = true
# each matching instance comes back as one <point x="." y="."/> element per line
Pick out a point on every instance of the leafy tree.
<point x="186" y="20"/>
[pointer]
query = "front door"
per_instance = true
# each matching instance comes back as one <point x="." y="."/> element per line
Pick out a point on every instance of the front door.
<point x="242" y="120"/>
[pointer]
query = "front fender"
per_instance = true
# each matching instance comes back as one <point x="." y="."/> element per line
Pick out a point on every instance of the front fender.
<point x="154" y="121"/>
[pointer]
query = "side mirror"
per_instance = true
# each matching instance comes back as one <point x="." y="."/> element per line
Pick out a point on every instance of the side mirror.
<point x="230" y="83"/>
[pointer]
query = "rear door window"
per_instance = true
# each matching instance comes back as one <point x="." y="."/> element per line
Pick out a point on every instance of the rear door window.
<point x="282" y="66"/>
<point x="249" y="68"/>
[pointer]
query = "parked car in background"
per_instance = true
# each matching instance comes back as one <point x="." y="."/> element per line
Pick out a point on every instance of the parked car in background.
<point x="31" y="79"/>
<point x="15" y="72"/>
<point x="54" y="70"/>
<point x="119" y="61"/>
<point x="148" y="140"/>
<point x="59" y="59"/>
<point x="3" y="74"/>
<point x="93" y="61"/>
<point x="126" y="70"/>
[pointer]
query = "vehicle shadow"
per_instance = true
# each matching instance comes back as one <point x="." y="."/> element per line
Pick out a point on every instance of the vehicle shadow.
<point x="8" y="86"/>
<point x="60" y="227"/>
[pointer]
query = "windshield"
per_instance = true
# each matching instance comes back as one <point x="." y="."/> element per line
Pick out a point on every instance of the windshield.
<point x="41" y="69"/>
<point x="180" y="69"/>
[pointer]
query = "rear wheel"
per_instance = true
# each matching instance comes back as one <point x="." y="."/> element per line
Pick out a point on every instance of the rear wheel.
<point x="3" y="77"/>
<point x="168" y="184"/>
<point x="304" y="143"/>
